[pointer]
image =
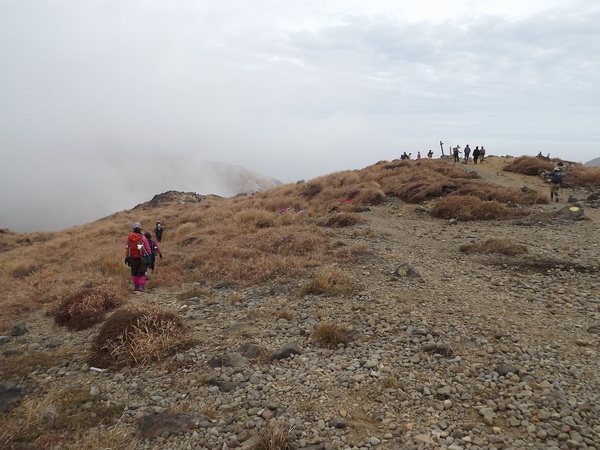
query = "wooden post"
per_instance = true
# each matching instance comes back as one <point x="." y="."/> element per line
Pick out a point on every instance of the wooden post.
<point x="442" y="147"/>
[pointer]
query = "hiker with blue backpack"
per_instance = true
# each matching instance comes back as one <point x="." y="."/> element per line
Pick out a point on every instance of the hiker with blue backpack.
<point x="154" y="250"/>
<point x="137" y="256"/>
<point x="556" y="179"/>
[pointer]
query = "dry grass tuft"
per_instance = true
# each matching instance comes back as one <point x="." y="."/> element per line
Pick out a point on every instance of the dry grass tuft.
<point x="528" y="165"/>
<point x="584" y="176"/>
<point x="57" y="419"/>
<point x="86" y="308"/>
<point x="329" y="334"/>
<point x="469" y="207"/>
<point x="329" y="281"/>
<point x="23" y="271"/>
<point x="502" y="246"/>
<point x="113" y="267"/>
<point x="275" y="436"/>
<point x="512" y="195"/>
<point x="22" y="365"/>
<point x="137" y="336"/>
<point x="343" y="220"/>
<point x="353" y="254"/>
<point x="285" y="314"/>
<point x="311" y="190"/>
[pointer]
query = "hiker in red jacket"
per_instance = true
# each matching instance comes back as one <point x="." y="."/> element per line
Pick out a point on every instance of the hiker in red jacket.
<point x="137" y="250"/>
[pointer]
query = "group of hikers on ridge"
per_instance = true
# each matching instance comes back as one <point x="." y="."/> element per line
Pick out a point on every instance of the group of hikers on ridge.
<point x="478" y="154"/>
<point x="409" y="155"/>
<point x="140" y="253"/>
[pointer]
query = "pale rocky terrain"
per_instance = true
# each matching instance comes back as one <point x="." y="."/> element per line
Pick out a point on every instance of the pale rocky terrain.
<point x="480" y="351"/>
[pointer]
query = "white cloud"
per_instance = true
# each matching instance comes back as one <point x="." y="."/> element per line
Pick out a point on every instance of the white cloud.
<point x="290" y="89"/>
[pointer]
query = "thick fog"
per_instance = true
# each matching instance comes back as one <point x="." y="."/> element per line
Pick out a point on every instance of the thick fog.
<point x="104" y="104"/>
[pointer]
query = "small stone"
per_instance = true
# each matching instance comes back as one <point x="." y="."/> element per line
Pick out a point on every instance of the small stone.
<point x="374" y="441"/>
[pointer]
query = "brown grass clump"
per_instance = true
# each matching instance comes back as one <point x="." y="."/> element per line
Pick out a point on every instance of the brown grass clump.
<point x="85" y="308"/>
<point x="418" y="181"/>
<point x="137" y="336"/>
<point x="488" y="192"/>
<point x="330" y="334"/>
<point x="584" y="176"/>
<point x="329" y="281"/>
<point x="469" y="207"/>
<point x="528" y="165"/>
<point x="343" y="220"/>
<point x="502" y="246"/>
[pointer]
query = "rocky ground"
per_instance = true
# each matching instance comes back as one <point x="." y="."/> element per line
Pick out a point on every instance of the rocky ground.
<point x="478" y="352"/>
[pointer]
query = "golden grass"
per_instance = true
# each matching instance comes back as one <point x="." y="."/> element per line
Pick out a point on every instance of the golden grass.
<point x="243" y="240"/>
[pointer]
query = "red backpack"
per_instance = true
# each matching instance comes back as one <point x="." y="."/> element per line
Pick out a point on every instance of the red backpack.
<point x="136" y="245"/>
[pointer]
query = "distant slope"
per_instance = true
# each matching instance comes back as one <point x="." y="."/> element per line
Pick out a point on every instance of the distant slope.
<point x="593" y="162"/>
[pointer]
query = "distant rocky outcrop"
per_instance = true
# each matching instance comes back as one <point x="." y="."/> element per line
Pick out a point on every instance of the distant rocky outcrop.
<point x="170" y="197"/>
<point x="231" y="179"/>
<point x="593" y="162"/>
<point x="235" y="179"/>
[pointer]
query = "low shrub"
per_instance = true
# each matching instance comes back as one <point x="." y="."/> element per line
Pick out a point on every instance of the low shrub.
<point x="502" y="246"/>
<point x="528" y="165"/>
<point x="136" y="336"/>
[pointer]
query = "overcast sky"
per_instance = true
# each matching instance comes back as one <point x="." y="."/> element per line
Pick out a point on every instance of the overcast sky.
<point x="104" y="103"/>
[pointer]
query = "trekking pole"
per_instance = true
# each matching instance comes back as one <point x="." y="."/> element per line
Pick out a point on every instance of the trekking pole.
<point x="532" y="206"/>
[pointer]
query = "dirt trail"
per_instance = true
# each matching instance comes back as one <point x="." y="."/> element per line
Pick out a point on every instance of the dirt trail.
<point x="492" y="171"/>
